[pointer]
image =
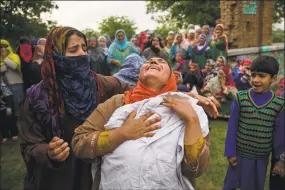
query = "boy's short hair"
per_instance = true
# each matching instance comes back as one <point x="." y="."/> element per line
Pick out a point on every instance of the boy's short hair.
<point x="265" y="64"/>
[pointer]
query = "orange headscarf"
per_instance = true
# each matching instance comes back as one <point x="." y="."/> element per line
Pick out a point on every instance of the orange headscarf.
<point x="141" y="92"/>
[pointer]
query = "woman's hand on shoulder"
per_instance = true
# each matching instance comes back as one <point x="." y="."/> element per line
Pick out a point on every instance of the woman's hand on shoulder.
<point x="182" y="108"/>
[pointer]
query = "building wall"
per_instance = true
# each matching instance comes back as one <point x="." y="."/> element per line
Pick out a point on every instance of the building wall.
<point x="242" y="23"/>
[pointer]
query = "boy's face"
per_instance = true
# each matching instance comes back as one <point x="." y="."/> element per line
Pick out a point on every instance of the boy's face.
<point x="261" y="81"/>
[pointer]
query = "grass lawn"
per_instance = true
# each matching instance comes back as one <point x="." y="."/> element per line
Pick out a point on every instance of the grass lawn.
<point x="13" y="169"/>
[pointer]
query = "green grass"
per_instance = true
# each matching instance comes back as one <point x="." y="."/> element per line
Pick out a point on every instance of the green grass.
<point x="13" y="169"/>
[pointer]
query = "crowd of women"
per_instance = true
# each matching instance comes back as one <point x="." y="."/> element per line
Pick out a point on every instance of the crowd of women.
<point x="92" y="116"/>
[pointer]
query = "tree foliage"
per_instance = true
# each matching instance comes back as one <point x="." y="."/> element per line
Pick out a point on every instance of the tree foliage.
<point x="111" y="24"/>
<point x="164" y="27"/>
<point x="278" y="12"/>
<point x="89" y="32"/>
<point x="22" y="18"/>
<point x="184" y="13"/>
<point x="199" y="12"/>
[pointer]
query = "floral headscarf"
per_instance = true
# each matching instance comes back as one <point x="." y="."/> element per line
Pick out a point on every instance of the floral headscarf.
<point x="129" y="72"/>
<point x="46" y="98"/>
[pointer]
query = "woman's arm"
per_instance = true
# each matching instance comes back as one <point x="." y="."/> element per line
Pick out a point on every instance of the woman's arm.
<point x="11" y="64"/>
<point x="110" y="57"/>
<point x="84" y="142"/>
<point x="90" y="140"/>
<point x="3" y="68"/>
<point x="111" y="86"/>
<point x="135" y="49"/>
<point x="33" y="143"/>
<point x="172" y="53"/>
<point x="196" y="154"/>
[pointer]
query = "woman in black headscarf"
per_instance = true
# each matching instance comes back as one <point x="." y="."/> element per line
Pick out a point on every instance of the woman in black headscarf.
<point x="155" y="50"/>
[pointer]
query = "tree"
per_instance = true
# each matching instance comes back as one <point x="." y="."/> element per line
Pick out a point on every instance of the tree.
<point x="89" y="32"/>
<point x="199" y="12"/>
<point x="164" y="27"/>
<point x="22" y="18"/>
<point x="278" y="12"/>
<point x="184" y="13"/>
<point x="111" y="24"/>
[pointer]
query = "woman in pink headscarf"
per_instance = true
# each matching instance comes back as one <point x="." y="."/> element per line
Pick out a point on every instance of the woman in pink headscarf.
<point x="142" y="40"/>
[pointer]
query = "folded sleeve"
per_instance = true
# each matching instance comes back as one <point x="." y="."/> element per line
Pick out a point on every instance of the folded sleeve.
<point x="86" y="135"/>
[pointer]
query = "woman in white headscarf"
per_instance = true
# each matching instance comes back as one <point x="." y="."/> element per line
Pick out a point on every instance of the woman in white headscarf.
<point x="103" y="44"/>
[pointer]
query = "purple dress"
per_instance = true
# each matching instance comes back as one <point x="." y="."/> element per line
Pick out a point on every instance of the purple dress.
<point x="249" y="174"/>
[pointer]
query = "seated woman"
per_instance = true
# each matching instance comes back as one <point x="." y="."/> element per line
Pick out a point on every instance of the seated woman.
<point x="133" y="155"/>
<point x="223" y="89"/>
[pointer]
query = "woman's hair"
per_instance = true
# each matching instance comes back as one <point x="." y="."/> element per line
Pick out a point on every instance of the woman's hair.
<point x="77" y="33"/>
<point x="265" y="64"/>
<point x="24" y="40"/>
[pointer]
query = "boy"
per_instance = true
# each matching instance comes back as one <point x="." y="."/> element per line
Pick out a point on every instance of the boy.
<point x="256" y="126"/>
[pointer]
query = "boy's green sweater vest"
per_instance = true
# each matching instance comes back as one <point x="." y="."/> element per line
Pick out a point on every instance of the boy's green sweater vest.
<point x="256" y="125"/>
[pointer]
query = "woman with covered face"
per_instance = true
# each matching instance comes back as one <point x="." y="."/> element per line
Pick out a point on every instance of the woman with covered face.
<point x="219" y="44"/>
<point x="98" y="62"/>
<point x="119" y="50"/>
<point x="201" y="51"/>
<point x="167" y="154"/>
<point x="26" y="51"/>
<point x="53" y="108"/>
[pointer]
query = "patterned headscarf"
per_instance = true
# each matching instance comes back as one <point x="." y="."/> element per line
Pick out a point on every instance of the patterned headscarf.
<point x="45" y="98"/>
<point x="129" y="72"/>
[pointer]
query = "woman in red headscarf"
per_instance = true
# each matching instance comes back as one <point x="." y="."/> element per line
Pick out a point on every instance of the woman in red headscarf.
<point x="25" y="52"/>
